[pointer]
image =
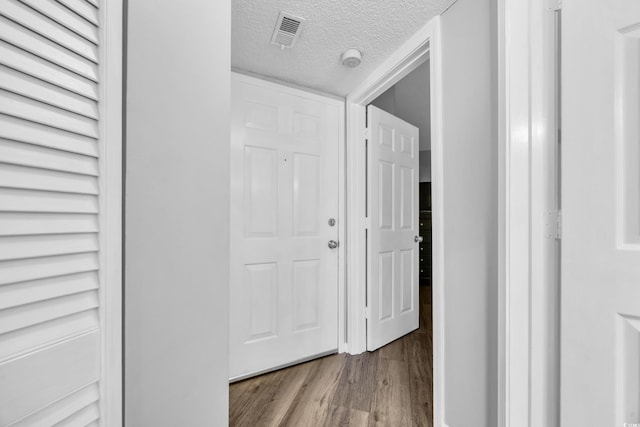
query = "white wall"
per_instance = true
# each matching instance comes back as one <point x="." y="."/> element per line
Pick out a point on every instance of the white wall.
<point x="470" y="213"/>
<point x="425" y="166"/>
<point x="177" y="213"/>
<point x="412" y="97"/>
<point x="387" y="100"/>
<point x="409" y="100"/>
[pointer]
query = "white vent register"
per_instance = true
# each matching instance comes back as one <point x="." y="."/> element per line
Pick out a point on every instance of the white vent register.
<point x="287" y="30"/>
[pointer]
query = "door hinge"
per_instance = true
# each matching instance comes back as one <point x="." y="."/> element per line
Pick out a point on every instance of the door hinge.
<point x="366" y="312"/>
<point x="367" y="133"/>
<point x="553" y="225"/>
<point x="367" y="223"/>
<point x="553" y="5"/>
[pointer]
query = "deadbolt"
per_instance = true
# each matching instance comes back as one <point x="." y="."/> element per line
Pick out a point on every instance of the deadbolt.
<point x="332" y="222"/>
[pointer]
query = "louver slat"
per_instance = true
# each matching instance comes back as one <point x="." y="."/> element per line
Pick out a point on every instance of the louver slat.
<point x="23" y="131"/>
<point x="34" y="111"/>
<point x="49" y="29"/>
<point x="41" y="179"/>
<point x="41" y="46"/>
<point x="21" y="247"/>
<point x="83" y="8"/>
<point x="44" y="201"/>
<point x="17" y="153"/>
<point x="25" y="224"/>
<point x="39" y="90"/>
<point x="66" y="17"/>
<point x="16" y="343"/>
<point x="44" y="289"/>
<point x="35" y="66"/>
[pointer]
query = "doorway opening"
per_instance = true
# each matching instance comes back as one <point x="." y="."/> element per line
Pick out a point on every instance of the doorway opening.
<point x="345" y="385"/>
<point x="423" y="49"/>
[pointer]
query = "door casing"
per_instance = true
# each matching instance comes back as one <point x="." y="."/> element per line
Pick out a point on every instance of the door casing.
<point x="528" y="365"/>
<point x="423" y="46"/>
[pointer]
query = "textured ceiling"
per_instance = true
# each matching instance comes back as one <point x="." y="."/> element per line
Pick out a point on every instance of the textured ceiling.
<point x="376" y="27"/>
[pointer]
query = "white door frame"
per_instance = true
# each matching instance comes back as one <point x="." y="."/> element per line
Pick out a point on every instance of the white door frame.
<point x="111" y="210"/>
<point x="423" y="46"/>
<point x="528" y="308"/>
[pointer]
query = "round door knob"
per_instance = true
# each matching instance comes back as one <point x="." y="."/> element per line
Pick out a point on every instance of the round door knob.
<point x="332" y="244"/>
<point x="418" y="239"/>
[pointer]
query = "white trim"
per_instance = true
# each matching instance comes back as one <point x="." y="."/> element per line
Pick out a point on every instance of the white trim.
<point x="288" y="88"/>
<point x="407" y="58"/>
<point x="502" y="231"/>
<point x="342" y="215"/>
<point x="305" y="89"/>
<point x="517" y="199"/>
<point x="545" y="285"/>
<point x="528" y="279"/>
<point x="437" y="197"/>
<point x="111" y="57"/>
<point x="425" y="44"/>
<point x="342" y="234"/>
<point x="357" y="248"/>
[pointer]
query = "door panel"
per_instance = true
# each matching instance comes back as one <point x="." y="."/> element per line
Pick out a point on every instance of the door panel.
<point x="392" y="287"/>
<point x="600" y="251"/>
<point x="284" y="190"/>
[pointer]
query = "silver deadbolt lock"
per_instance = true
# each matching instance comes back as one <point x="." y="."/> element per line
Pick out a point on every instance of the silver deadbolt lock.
<point x="332" y="244"/>
<point x="332" y="222"/>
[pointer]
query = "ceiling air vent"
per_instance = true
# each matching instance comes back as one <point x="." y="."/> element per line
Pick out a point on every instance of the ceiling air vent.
<point x="287" y="30"/>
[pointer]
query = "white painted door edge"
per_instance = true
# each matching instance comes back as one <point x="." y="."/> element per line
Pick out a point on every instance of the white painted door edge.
<point x="528" y="347"/>
<point x="111" y="212"/>
<point x="423" y="46"/>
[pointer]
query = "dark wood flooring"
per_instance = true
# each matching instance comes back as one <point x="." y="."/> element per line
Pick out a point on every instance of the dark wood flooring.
<point x="388" y="387"/>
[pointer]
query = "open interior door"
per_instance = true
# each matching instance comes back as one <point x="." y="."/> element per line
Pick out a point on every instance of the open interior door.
<point x="393" y="241"/>
<point x="284" y="226"/>
<point x="600" y="363"/>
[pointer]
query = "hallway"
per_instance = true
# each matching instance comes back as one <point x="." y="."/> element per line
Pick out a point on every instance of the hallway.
<point x="391" y="386"/>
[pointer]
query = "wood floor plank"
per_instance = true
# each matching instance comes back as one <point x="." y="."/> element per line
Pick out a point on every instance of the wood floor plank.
<point x="394" y="350"/>
<point x="425" y="310"/>
<point x="242" y="395"/>
<point x="392" y="398"/>
<point x="421" y="379"/>
<point x="357" y="382"/>
<point x="267" y="403"/>
<point x="312" y="402"/>
<point x="339" y="416"/>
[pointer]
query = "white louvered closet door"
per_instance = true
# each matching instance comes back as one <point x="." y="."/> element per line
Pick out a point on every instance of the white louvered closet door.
<point x="52" y="243"/>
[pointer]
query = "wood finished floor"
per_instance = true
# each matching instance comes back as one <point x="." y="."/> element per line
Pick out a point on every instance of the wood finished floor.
<point x="388" y="387"/>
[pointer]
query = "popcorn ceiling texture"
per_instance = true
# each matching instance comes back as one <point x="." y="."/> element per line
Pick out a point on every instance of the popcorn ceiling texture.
<point x="376" y="27"/>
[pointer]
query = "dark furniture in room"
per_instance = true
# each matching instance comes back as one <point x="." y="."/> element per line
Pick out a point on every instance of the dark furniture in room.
<point x="426" y="265"/>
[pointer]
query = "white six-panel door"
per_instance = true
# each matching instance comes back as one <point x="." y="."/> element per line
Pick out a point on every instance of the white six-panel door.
<point x="59" y="212"/>
<point x="600" y="383"/>
<point x="392" y="285"/>
<point x="284" y="192"/>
